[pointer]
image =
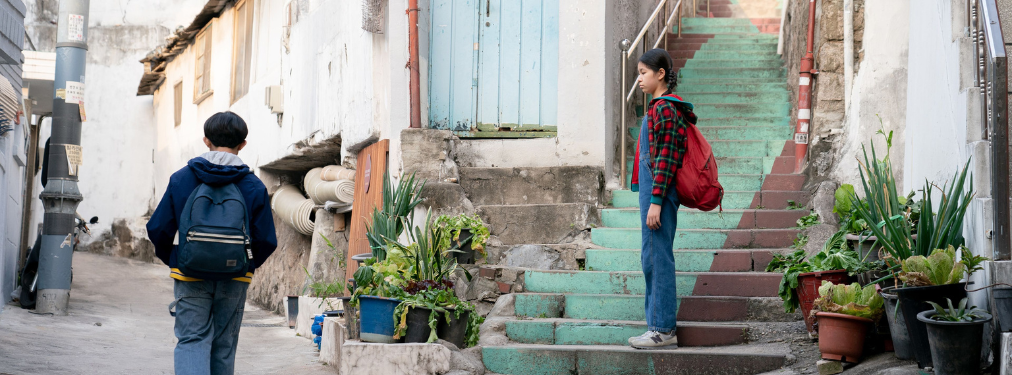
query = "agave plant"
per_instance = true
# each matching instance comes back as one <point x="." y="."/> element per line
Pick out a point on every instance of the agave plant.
<point x="955" y="314"/>
<point x="389" y="221"/>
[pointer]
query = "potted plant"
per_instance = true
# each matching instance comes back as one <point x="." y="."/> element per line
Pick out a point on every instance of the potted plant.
<point x="377" y="293"/>
<point x="391" y="218"/>
<point x="802" y="277"/>
<point x="927" y="280"/>
<point x="468" y="233"/>
<point x="844" y="313"/>
<point x="955" y="336"/>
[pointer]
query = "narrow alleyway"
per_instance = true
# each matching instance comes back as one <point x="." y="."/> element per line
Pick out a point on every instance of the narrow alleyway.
<point x="119" y="324"/>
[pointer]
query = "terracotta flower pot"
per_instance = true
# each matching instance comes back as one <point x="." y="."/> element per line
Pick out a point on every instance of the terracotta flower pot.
<point x="841" y="336"/>
<point x="808" y="291"/>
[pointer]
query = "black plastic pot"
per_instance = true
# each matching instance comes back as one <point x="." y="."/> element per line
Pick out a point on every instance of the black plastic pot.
<point x="955" y="346"/>
<point x="913" y="301"/>
<point x="418" y="325"/>
<point x="897" y="325"/>
<point x="456" y="330"/>
<point x="292" y="305"/>
<point x="1003" y="308"/>
<point x="464" y="255"/>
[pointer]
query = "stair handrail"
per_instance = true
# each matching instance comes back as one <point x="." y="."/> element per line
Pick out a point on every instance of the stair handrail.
<point x="627" y="52"/>
<point x="991" y="78"/>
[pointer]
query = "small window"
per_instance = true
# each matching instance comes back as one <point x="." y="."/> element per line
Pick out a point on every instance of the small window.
<point x="178" y="102"/>
<point x="202" y="69"/>
<point x="242" y="53"/>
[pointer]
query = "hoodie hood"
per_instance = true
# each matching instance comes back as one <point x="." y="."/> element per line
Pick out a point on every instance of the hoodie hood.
<point x="682" y="105"/>
<point x="216" y="174"/>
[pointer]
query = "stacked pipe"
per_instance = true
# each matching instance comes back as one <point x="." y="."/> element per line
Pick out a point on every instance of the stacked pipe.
<point x="294" y="209"/>
<point x="331" y="184"/>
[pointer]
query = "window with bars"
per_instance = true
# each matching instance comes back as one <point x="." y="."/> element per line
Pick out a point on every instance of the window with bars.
<point x="242" y="53"/>
<point x="202" y="78"/>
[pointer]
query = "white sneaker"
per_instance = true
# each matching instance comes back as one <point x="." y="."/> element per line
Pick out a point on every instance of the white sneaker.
<point x="640" y="337"/>
<point x="655" y="340"/>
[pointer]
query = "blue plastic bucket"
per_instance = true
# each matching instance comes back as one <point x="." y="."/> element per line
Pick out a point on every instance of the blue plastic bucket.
<point x="377" y="318"/>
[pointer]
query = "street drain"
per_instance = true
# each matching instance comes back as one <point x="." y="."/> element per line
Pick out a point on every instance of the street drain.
<point x="263" y="325"/>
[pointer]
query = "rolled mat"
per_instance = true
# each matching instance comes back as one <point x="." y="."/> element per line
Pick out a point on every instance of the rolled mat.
<point x="322" y="192"/>
<point x="294" y="209"/>
<point x="337" y="172"/>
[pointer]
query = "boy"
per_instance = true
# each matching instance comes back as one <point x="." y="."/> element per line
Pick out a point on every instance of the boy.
<point x="209" y="313"/>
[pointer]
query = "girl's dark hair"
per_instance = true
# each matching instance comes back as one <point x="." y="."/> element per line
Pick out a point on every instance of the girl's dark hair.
<point x="657" y="59"/>
<point x="225" y="129"/>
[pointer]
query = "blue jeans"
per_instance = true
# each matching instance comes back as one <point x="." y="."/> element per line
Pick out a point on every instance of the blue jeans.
<point x="208" y="316"/>
<point x="657" y="256"/>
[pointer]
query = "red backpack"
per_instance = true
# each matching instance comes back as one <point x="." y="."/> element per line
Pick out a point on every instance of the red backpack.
<point x="696" y="181"/>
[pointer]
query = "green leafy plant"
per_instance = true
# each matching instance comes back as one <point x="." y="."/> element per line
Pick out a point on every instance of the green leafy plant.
<point x="939" y="268"/>
<point x="454" y="225"/>
<point x="793" y="264"/>
<point x="443" y="304"/>
<point x="955" y="314"/>
<point x="936" y="231"/>
<point x="390" y="219"/>
<point x="809" y="220"/>
<point x="851" y="300"/>
<point x="322" y="289"/>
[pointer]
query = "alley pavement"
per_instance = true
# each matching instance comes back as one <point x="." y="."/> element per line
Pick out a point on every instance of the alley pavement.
<point x="119" y="323"/>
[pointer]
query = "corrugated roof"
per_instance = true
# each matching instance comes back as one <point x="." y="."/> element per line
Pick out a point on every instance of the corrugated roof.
<point x="156" y="60"/>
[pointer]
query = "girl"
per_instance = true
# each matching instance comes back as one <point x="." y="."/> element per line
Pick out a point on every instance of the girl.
<point x="659" y="154"/>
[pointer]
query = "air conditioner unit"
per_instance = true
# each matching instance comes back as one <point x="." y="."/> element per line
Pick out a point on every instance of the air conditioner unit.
<point x="275" y="99"/>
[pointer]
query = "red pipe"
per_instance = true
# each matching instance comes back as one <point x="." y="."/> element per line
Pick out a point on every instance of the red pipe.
<point x="416" y="97"/>
<point x="805" y="95"/>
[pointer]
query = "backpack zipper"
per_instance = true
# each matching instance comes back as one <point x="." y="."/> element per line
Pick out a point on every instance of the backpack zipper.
<point x="230" y="242"/>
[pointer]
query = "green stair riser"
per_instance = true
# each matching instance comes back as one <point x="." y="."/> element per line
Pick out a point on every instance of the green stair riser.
<point x="744" y="88"/>
<point x="536" y="360"/>
<point x="706" y="21"/>
<point x="731" y="166"/>
<point x="629" y="260"/>
<point x="742" y="110"/>
<point x="730" y="182"/>
<point x="738" y="97"/>
<point x="687" y="219"/>
<point x="625" y="238"/>
<point x="599" y="282"/>
<point x="729" y="80"/>
<point x="735" y="55"/>
<point x="729" y="133"/>
<point x="687" y="73"/>
<point x="534" y="332"/>
<point x="782" y="121"/>
<point x="762" y="47"/>
<point x="732" y="199"/>
<point x="717" y="29"/>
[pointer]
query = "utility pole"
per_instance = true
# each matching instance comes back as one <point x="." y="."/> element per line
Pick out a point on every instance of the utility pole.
<point x="62" y="195"/>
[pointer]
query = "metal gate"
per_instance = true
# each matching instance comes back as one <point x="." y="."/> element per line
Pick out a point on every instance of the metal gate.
<point x="493" y="67"/>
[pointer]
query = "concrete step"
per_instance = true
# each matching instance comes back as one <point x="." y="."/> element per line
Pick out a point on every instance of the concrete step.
<point x="734" y="64"/>
<point x="732" y="80"/>
<point x="775" y="200"/>
<point x="739" y="73"/>
<point x="717" y="29"/>
<point x="719" y="44"/>
<point x="695" y="219"/>
<point x="685" y="260"/>
<point x="697" y="21"/>
<point x="746" y="148"/>
<point x="732" y="199"/>
<point x="754" y="121"/>
<point x="708" y="36"/>
<point x="617" y="332"/>
<point x="731" y="87"/>
<point x="778" y="109"/>
<point x="734" y="133"/>
<point x="617" y="307"/>
<point x="538" y="223"/>
<point x="745" y="165"/>
<point x="758" y="46"/>
<point x="733" y="182"/>
<point x="628" y="238"/>
<point x="724" y="55"/>
<point x="737" y="284"/>
<point x="531" y="359"/>
<point x="519" y="186"/>
<point x="738" y="97"/>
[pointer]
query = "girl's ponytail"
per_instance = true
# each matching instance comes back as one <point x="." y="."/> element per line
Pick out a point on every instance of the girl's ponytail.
<point x="658" y="59"/>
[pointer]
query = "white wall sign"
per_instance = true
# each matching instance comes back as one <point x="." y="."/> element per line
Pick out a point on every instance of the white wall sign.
<point x="75" y="92"/>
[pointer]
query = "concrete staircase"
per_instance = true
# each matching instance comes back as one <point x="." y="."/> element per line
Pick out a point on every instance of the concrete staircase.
<point x="577" y="321"/>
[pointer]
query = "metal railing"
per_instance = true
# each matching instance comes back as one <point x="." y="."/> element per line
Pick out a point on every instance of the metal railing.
<point x="628" y="48"/>
<point x="991" y="78"/>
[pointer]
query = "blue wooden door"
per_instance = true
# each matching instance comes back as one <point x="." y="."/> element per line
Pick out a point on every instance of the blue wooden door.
<point x="494" y="67"/>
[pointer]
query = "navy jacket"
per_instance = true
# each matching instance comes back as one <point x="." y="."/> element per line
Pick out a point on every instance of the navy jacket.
<point x="164" y="222"/>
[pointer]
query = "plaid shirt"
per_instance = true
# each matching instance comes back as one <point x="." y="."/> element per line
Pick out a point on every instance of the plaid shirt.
<point x="667" y="140"/>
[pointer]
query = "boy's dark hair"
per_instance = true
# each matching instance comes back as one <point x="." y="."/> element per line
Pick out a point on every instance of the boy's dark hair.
<point x="225" y="129"/>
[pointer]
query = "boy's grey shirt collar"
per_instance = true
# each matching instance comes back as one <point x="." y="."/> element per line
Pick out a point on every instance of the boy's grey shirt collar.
<point x="222" y="158"/>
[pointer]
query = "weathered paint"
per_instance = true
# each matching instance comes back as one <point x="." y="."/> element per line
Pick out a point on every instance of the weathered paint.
<point x="623" y="238"/>
<point x="533" y="361"/>
<point x="732" y="199"/>
<point x="568" y="360"/>
<point x="629" y="260"/>
<point x="537" y="305"/>
<point x="531" y="331"/>
<point x="590" y="282"/>
<point x="452" y="67"/>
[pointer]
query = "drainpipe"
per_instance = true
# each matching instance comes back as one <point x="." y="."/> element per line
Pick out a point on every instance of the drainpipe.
<point x="848" y="50"/>
<point x="805" y="94"/>
<point x="416" y="96"/>
<point x="62" y="195"/>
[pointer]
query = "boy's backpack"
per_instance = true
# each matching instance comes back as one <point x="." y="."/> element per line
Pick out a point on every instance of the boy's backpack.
<point x="696" y="181"/>
<point x="214" y="240"/>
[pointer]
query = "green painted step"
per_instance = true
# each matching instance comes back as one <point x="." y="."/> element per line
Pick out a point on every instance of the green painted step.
<point x="731" y="260"/>
<point x="687" y="219"/>
<point x="747" y="148"/>
<point x="738" y="47"/>
<point x="732" y="199"/>
<point x="741" y="284"/>
<point x="738" y="97"/>
<point x="532" y="359"/>
<point x="750" y="165"/>
<point x="725" y="87"/>
<point x="687" y="238"/>
<point x="765" y="63"/>
<point x="744" y="35"/>
<point x="755" y="121"/>
<point x="728" y="133"/>
<point x="740" y="182"/>
<point x="755" y="40"/>
<point x="712" y="80"/>
<point x="718" y="29"/>
<point x="704" y="21"/>
<point x="732" y="73"/>
<point x="617" y="307"/>
<point x="579" y="332"/>
<point x="742" y="110"/>
<point x="735" y="55"/>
